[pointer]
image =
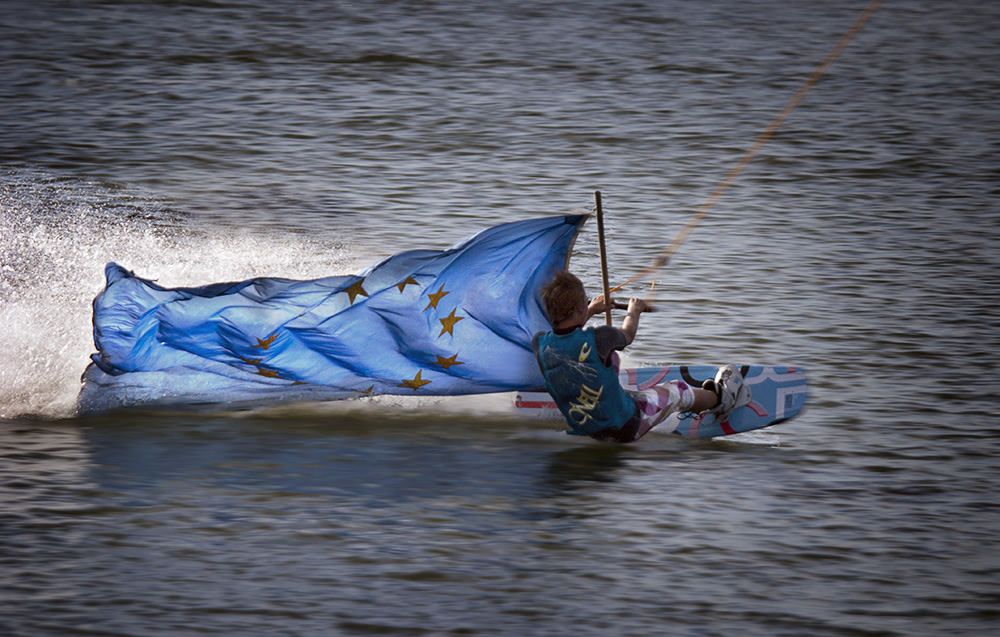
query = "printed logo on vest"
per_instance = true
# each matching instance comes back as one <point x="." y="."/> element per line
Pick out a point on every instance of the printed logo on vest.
<point x="584" y="404"/>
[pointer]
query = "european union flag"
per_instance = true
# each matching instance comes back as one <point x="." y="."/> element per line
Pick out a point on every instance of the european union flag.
<point x="457" y="321"/>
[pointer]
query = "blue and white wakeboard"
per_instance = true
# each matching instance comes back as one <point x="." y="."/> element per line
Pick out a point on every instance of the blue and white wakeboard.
<point x="777" y="394"/>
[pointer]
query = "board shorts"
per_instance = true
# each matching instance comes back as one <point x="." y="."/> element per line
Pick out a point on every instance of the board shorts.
<point x="658" y="402"/>
<point x="652" y="406"/>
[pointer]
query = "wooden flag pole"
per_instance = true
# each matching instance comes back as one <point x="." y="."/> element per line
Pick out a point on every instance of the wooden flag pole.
<point x="604" y="256"/>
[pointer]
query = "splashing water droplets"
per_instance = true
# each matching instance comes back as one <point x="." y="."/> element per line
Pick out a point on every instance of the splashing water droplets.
<point x="56" y="237"/>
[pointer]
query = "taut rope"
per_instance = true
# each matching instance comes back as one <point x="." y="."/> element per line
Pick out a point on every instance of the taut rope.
<point x="748" y="156"/>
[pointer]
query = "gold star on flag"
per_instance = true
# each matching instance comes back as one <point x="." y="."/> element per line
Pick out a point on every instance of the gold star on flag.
<point x="448" y="362"/>
<point x="355" y="290"/>
<point x="266" y="342"/>
<point x="416" y="383"/>
<point x="267" y="372"/>
<point x="449" y="323"/>
<point x="437" y="296"/>
<point x="409" y="281"/>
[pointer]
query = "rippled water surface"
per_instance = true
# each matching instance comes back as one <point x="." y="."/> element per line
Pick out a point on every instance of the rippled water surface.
<point x="199" y="141"/>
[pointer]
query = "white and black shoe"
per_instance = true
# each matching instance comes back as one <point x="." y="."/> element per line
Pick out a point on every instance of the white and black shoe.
<point x="733" y="393"/>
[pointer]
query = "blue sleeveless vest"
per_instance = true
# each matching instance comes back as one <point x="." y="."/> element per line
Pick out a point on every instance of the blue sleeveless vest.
<point x="587" y="393"/>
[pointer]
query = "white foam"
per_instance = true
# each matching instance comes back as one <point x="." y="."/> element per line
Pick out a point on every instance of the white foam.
<point x="55" y="238"/>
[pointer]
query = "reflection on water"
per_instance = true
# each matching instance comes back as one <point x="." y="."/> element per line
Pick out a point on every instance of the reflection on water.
<point x="250" y="521"/>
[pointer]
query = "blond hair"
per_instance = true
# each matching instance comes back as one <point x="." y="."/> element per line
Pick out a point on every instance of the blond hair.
<point x="563" y="296"/>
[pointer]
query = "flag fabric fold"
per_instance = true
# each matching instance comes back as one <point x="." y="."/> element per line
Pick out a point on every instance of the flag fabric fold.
<point x="456" y="321"/>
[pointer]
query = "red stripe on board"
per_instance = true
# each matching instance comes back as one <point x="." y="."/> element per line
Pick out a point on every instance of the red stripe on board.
<point x="535" y="405"/>
<point x="633" y="377"/>
<point x="655" y="380"/>
<point x="521" y="403"/>
<point x="693" y="427"/>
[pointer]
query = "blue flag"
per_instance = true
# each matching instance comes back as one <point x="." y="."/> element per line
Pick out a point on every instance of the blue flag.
<point x="457" y="321"/>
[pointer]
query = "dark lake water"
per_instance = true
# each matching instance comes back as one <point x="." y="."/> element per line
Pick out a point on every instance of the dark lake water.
<point x="201" y="141"/>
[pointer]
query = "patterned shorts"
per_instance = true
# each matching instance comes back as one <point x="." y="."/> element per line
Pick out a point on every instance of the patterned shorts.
<point x="656" y="403"/>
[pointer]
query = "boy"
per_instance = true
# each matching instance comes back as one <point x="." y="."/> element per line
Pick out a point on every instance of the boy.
<point x="580" y="366"/>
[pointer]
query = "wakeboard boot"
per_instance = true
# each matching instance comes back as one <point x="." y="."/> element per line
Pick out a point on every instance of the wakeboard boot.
<point x="731" y="389"/>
